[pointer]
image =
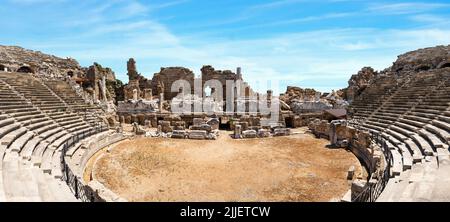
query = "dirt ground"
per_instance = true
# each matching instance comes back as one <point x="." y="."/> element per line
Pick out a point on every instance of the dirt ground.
<point x="294" y="168"/>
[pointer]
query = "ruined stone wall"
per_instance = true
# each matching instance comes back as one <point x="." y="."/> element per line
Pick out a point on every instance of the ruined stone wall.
<point x="209" y="73"/>
<point x="423" y="59"/>
<point x="15" y="58"/>
<point x="95" y="74"/>
<point x="294" y="93"/>
<point x="302" y="100"/>
<point x="357" y="141"/>
<point x="162" y="81"/>
<point x="359" y="82"/>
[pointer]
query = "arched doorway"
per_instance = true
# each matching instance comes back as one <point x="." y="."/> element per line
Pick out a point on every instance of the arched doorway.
<point x="70" y="73"/>
<point x="444" y="65"/>
<point x="423" y="68"/>
<point x="2" y="68"/>
<point x="25" y="69"/>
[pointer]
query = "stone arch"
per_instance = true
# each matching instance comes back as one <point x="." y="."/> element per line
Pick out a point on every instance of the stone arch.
<point x="2" y="68"/>
<point x="445" y="64"/>
<point x="422" y="68"/>
<point x="70" y="73"/>
<point x="25" y="69"/>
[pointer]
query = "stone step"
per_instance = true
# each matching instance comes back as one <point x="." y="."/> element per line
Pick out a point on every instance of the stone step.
<point x="425" y="114"/>
<point x="416" y="152"/>
<point x="405" y="134"/>
<point x="12" y="135"/>
<point x="424" y="145"/>
<point x="36" y="157"/>
<point x="397" y="163"/>
<point x="433" y="139"/>
<point x="19" y="185"/>
<point x="23" y="111"/>
<point x="395" y="134"/>
<point x="29" y="148"/>
<point x="46" y="165"/>
<point x="407" y="157"/>
<point x="25" y="114"/>
<point x="3" y="117"/>
<point x="41" y="124"/>
<point x="51" y="132"/>
<point x="81" y="127"/>
<point x="427" y="111"/>
<point x="412" y="123"/>
<point x="34" y="115"/>
<point x="56" y="165"/>
<point x="406" y="126"/>
<point x="20" y="142"/>
<point x="13" y="107"/>
<point x="5" y="122"/>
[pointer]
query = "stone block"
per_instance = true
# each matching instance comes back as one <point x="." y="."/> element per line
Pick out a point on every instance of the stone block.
<point x="197" y="134"/>
<point x="281" y="132"/>
<point x="249" y="134"/>
<point x="179" y="123"/>
<point x="238" y="131"/>
<point x="204" y="127"/>
<point x="128" y="119"/>
<point x="214" y="123"/>
<point x="351" y="173"/>
<point x="179" y="128"/>
<point x="198" y="121"/>
<point x="179" y="134"/>
<point x="263" y="133"/>
<point x="166" y="128"/>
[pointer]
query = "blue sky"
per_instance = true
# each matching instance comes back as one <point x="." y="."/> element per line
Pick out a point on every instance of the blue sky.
<point x="307" y="43"/>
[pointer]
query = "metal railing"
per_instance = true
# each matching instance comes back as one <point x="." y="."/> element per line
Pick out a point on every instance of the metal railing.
<point x="372" y="189"/>
<point x="80" y="190"/>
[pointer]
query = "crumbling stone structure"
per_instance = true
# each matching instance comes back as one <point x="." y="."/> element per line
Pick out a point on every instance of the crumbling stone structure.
<point x="162" y="81"/>
<point x="17" y="59"/>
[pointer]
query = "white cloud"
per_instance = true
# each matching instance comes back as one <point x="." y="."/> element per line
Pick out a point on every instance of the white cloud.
<point x="429" y="19"/>
<point x="405" y="7"/>
<point x="30" y="2"/>
<point x="168" y="4"/>
<point x="132" y="9"/>
<point x="277" y="3"/>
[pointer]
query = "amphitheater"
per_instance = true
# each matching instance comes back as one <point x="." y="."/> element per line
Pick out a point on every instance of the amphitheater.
<point x="66" y="133"/>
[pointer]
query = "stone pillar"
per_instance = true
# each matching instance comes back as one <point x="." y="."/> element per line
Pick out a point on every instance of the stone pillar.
<point x="317" y="97"/>
<point x="237" y="131"/>
<point x="159" y="129"/>
<point x="134" y="118"/>
<point x="269" y="98"/>
<point x="161" y="101"/>
<point x="351" y="172"/>
<point x="239" y="72"/>
<point x="94" y="97"/>
<point x="103" y="84"/>
<point x="333" y="136"/>
<point x="148" y="94"/>
<point x="269" y="95"/>
<point x="128" y="119"/>
<point x="135" y="96"/>
<point x="121" y="119"/>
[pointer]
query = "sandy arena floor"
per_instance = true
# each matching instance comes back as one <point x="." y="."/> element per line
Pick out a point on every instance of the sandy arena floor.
<point x="295" y="168"/>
